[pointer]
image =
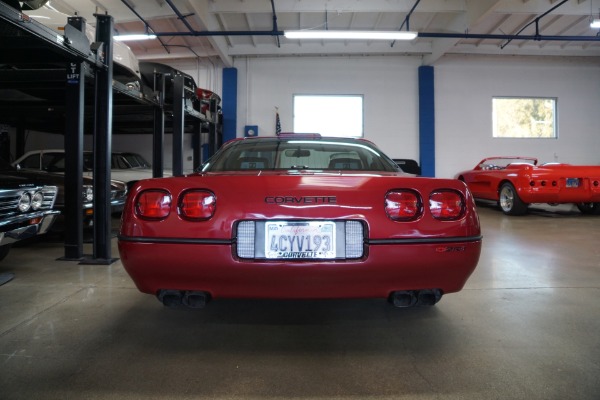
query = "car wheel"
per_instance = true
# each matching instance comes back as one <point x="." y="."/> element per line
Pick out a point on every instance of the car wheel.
<point x="589" y="208"/>
<point x="4" y="251"/>
<point x="510" y="202"/>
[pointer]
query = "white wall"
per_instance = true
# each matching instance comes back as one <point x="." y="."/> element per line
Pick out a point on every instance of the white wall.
<point x="389" y="86"/>
<point x="465" y="85"/>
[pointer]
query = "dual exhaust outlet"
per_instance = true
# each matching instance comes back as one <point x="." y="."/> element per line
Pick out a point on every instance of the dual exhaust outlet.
<point x="187" y="298"/>
<point x="412" y="298"/>
<point x="198" y="299"/>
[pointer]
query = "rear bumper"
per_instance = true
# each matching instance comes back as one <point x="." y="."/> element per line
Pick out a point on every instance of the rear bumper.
<point x="212" y="268"/>
<point x="26" y="227"/>
<point x="556" y="191"/>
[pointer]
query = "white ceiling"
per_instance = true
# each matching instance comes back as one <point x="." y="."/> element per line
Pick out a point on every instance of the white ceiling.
<point x="451" y="17"/>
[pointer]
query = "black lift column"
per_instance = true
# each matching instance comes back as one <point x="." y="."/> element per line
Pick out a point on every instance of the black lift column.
<point x="102" y="144"/>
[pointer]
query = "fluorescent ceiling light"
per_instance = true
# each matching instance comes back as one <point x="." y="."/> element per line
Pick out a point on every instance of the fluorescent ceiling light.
<point x="365" y="35"/>
<point x="125" y="38"/>
<point x="595" y="23"/>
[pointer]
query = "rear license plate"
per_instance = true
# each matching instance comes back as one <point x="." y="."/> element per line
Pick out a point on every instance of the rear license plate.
<point x="308" y="240"/>
<point x="572" y="182"/>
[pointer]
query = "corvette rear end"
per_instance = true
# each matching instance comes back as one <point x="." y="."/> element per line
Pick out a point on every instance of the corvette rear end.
<point x="291" y="233"/>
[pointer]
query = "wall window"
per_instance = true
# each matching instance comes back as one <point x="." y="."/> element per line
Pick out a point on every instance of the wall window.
<point x="524" y="117"/>
<point x="329" y="115"/>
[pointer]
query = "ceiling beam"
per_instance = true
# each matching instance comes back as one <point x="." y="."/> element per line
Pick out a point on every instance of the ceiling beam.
<point x="475" y="10"/>
<point x="207" y="21"/>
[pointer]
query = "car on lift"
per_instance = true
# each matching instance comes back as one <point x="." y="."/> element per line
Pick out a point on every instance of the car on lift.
<point x="126" y="68"/>
<point x="151" y="73"/>
<point x="516" y="182"/>
<point x="126" y="167"/>
<point x="27" y="208"/>
<point x="299" y="217"/>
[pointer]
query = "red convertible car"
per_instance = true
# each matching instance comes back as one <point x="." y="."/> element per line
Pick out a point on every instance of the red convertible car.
<point x="299" y="217"/>
<point x="516" y="182"/>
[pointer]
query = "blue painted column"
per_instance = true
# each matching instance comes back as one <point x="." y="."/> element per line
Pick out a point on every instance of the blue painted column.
<point x="426" y="121"/>
<point x="229" y="107"/>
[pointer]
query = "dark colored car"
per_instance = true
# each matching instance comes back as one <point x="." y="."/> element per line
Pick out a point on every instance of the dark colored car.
<point x="118" y="193"/>
<point x="300" y="217"/>
<point x="26" y="208"/>
<point x="151" y="70"/>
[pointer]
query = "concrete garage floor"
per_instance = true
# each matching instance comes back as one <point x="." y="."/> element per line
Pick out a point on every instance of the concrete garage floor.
<point x="526" y="326"/>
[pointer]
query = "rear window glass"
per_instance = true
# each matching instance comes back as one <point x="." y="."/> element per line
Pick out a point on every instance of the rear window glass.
<point x="300" y="154"/>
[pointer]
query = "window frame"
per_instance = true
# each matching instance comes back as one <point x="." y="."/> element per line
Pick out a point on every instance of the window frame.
<point x="495" y="128"/>
<point x="295" y="115"/>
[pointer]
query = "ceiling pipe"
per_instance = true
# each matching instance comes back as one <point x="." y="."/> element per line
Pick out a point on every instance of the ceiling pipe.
<point x="407" y="20"/>
<point x="180" y="16"/>
<point x="510" y="37"/>
<point x="275" y="21"/>
<point x="536" y="21"/>
<point x="420" y="35"/>
<point x="146" y="24"/>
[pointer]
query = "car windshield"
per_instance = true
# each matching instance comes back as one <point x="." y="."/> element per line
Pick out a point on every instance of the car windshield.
<point x="300" y="154"/>
<point x="503" y="162"/>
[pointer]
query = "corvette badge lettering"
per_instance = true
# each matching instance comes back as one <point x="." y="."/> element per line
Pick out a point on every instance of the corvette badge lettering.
<point x="300" y="200"/>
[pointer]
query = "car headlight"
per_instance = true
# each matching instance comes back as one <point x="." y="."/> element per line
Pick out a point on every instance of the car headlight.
<point x="88" y="193"/>
<point x="37" y="200"/>
<point x="24" y="202"/>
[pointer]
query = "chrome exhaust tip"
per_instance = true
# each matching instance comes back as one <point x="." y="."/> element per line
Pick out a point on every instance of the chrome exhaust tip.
<point x="170" y="298"/>
<point x="195" y="299"/>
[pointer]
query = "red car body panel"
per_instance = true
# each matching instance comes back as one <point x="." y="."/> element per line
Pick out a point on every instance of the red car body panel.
<point x="215" y="268"/>
<point x="177" y="253"/>
<point x="533" y="183"/>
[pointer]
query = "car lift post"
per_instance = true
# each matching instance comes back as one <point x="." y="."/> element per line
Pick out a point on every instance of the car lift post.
<point x="73" y="143"/>
<point x="74" y="160"/>
<point x="158" y="137"/>
<point x="178" y="110"/>
<point x="102" y="145"/>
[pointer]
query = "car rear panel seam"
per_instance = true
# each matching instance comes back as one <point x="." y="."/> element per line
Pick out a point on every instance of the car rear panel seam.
<point x="425" y="240"/>
<point x="140" y="239"/>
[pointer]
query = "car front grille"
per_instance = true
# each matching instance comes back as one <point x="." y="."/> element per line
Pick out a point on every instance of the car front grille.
<point x="9" y="199"/>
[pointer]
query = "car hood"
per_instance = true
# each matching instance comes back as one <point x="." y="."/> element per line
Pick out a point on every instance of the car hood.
<point x="15" y="182"/>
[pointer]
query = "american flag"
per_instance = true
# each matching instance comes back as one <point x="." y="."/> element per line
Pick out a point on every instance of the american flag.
<point x="277" y="122"/>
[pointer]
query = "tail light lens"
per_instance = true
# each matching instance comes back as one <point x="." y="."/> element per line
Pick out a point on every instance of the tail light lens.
<point x="153" y="204"/>
<point x="446" y="205"/>
<point x="402" y="205"/>
<point x="197" y="204"/>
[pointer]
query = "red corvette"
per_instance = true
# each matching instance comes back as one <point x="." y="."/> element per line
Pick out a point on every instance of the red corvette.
<point x="516" y="182"/>
<point x="299" y="217"/>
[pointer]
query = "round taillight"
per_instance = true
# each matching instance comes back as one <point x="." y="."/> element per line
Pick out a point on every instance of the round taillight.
<point x="197" y="204"/>
<point x="446" y="204"/>
<point x="153" y="204"/>
<point x="402" y="205"/>
<point x="24" y="202"/>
